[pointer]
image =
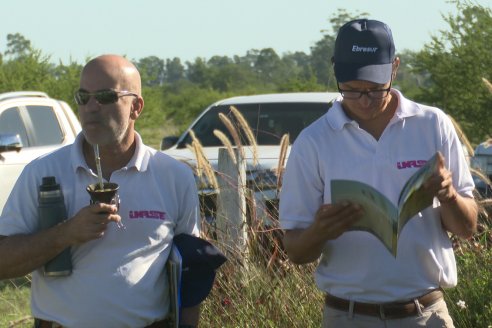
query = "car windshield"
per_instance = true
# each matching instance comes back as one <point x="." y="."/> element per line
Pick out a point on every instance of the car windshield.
<point x="269" y="122"/>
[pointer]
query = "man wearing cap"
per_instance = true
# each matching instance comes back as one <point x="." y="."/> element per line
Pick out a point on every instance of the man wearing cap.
<point x="374" y="135"/>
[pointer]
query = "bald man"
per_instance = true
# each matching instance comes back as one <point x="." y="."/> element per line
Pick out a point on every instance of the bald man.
<point x="118" y="252"/>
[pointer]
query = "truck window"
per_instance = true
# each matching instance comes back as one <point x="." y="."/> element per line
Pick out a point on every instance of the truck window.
<point x="11" y="122"/>
<point x="45" y="125"/>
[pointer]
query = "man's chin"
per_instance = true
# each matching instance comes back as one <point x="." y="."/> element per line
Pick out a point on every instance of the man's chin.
<point x="94" y="138"/>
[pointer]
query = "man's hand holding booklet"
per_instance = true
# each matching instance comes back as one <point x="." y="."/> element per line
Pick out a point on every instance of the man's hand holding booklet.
<point x="381" y="217"/>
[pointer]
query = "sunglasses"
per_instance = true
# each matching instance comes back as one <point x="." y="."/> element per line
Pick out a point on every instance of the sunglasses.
<point x="103" y="97"/>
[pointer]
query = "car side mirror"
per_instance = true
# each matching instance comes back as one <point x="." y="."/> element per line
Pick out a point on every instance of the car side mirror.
<point x="168" y="142"/>
<point x="10" y="142"/>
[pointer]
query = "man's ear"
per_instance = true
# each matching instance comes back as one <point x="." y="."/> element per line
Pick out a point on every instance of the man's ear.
<point x="396" y="64"/>
<point x="137" y="107"/>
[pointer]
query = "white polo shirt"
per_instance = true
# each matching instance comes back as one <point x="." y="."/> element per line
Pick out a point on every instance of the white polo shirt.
<point x="356" y="265"/>
<point x="118" y="280"/>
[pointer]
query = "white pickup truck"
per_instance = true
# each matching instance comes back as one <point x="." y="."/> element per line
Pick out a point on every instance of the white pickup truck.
<point x="31" y="124"/>
<point x="270" y="116"/>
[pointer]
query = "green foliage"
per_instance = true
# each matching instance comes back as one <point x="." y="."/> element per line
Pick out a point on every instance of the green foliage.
<point x="455" y="62"/>
<point x="407" y="79"/>
<point x="28" y="69"/>
<point x="169" y="109"/>
<point x="474" y="289"/>
<point x="253" y="296"/>
<point x="297" y="84"/>
<point x="152" y="70"/>
<point x="64" y="82"/>
<point x="321" y="55"/>
<point x="182" y="104"/>
<point x="27" y="72"/>
<point x="447" y="73"/>
<point x="174" y="70"/>
<point x="14" y="303"/>
<point x="17" y="46"/>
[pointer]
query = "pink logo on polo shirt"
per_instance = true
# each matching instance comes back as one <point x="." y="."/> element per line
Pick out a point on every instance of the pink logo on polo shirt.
<point x="410" y="164"/>
<point x="156" y="215"/>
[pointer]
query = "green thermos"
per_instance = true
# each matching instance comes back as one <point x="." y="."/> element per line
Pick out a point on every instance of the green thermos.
<point x="51" y="211"/>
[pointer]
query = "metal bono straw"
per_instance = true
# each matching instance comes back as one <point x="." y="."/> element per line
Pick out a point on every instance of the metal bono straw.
<point x="98" y="166"/>
<point x="100" y="177"/>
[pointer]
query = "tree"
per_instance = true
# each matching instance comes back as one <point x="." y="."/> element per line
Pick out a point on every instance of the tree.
<point x="321" y="55"/>
<point x="151" y="70"/>
<point x="232" y="77"/>
<point x="65" y="81"/>
<point x="455" y="62"/>
<point x="267" y="63"/>
<point x="174" y="70"/>
<point x="248" y="60"/>
<point x="407" y="80"/>
<point x="24" y="68"/>
<point x="18" y="46"/>
<point x="198" y="72"/>
<point x="301" y="62"/>
<point x="219" y="61"/>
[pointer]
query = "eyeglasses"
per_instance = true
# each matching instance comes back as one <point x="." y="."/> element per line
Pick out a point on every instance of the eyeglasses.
<point x="373" y="94"/>
<point x="103" y="97"/>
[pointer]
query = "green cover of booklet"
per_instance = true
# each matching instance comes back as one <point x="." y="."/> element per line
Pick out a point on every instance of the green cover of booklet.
<point x="381" y="217"/>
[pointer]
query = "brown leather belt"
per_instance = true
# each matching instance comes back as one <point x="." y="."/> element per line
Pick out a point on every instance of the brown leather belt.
<point x="40" y="323"/>
<point x="385" y="310"/>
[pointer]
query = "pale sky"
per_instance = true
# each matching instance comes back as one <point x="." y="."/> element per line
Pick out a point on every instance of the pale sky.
<point x="189" y="29"/>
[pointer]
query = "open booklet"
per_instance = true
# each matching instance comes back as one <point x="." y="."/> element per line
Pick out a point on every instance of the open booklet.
<point x="174" y="268"/>
<point x="381" y="217"/>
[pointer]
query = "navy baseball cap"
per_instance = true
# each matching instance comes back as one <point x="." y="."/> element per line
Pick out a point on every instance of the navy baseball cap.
<point x="364" y="50"/>
<point x="200" y="259"/>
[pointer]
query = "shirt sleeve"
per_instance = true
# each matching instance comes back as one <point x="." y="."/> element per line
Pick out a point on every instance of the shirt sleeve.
<point x="302" y="186"/>
<point x="456" y="161"/>
<point x="189" y="213"/>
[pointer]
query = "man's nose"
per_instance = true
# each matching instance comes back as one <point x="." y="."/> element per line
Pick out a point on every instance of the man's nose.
<point x="93" y="104"/>
<point x="365" y="100"/>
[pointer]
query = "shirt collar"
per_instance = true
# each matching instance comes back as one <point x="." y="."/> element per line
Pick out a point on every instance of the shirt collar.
<point x="139" y="160"/>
